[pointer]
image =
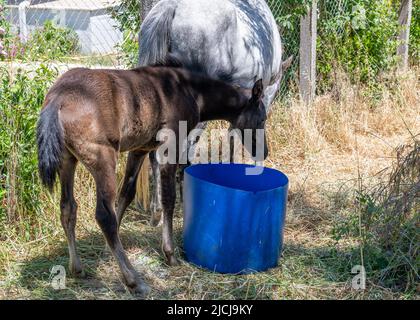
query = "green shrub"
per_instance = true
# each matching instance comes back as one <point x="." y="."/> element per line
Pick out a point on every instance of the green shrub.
<point x="127" y="16"/>
<point x="288" y="14"/>
<point x="414" y="50"/>
<point x="50" y="42"/>
<point x="361" y="41"/>
<point x="21" y="97"/>
<point x="129" y="50"/>
<point x="4" y="32"/>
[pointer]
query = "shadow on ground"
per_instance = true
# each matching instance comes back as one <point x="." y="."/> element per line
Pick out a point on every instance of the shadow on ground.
<point x="35" y="274"/>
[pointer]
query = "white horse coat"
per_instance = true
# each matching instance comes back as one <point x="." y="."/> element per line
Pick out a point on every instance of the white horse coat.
<point x="233" y="40"/>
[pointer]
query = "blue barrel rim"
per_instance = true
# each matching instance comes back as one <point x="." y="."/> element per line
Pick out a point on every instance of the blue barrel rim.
<point x="283" y="176"/>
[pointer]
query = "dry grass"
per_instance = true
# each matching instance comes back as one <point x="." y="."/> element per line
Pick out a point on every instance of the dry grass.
<point x="328" y="150"/>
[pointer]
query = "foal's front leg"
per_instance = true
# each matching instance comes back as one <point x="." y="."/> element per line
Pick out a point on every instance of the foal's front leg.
<point x="168" y="172"/>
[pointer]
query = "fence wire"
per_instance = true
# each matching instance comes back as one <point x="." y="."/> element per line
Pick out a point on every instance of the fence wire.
<point x="103" y="33"/>
<point x="288" y="15"/>
<point x="288" y="21"/>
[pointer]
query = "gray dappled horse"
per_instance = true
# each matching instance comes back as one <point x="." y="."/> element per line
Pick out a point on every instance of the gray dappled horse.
<point x="232" y="40"/>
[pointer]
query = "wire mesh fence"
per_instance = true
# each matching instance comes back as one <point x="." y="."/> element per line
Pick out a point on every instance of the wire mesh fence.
<point x="103" y="33"/>
<point x="288" y="21"/>
<point x="334" y="10"/>
<point x="106" y="30"/>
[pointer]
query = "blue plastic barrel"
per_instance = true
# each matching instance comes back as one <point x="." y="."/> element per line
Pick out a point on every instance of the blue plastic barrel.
<point x="233" y="222"/>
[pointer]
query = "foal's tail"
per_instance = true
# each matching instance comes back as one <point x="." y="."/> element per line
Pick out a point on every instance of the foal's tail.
<point x="154" y="33"/>
<point x="50" y="142"/>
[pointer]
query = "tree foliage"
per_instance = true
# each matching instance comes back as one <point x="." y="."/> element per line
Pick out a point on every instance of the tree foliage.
<point x="415" y="33"/>
<point x="361" y="40"/>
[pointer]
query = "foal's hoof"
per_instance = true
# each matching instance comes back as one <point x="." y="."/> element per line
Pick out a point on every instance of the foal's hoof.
<point x="81" y="274"/>
<point x="77" y="272"/>
<point x="173" y="261"/>
<point x="155" y="220"/>
<point x="140" y="289"/>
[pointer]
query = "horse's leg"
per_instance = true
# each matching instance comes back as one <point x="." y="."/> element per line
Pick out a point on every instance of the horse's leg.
<point x="191" y="146"/>
<point x="156" y="205"/>
<point x="103" y="171"/>
<point x="68" y="208"/>
<point x="128" y="189"/>
<point x="232" y="151"/>
<point x="168" y="173"/>
<point x="180" y="181"/>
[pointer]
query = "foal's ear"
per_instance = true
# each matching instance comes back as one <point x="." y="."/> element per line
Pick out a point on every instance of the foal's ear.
<point x="257" y="90"/>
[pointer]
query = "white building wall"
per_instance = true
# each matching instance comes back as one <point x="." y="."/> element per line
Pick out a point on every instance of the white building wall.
<point x="95" y="29"/>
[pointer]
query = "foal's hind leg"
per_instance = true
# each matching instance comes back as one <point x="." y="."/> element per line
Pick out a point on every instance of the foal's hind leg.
<point x="168" y="173"/>
<point x="69" y="211"/>
<point x="103" y="171"/>
<point x="128" y="189"/>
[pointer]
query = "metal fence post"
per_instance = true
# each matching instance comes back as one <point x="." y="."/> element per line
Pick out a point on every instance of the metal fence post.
<point x="62" y="18"/>
<point x="405" y="21"/>
<point x="307" y="53"/>
<point x="23" y="27"/>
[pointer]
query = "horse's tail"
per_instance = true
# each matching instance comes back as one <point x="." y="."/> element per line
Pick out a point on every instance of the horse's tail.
<point x="154" y="33"/>
<point x="50" y="141"/>
<point x="142" y="187"/>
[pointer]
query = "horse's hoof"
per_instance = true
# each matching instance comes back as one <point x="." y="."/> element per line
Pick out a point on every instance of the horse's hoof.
<point x="155" y="221"/>
<point x="77" y="272"/>
<point x="81" y="274"/>
<point x="139" y="289"/>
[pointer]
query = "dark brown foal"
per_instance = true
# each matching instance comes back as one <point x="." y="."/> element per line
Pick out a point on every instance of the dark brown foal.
<point x="92" y="115"/>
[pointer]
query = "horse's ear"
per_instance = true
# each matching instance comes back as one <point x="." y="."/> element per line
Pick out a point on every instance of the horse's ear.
<point x="257" y="90"/>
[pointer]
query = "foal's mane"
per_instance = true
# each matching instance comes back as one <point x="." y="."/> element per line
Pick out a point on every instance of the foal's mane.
<point x="170" y="62"/>
<point x="197" y="68"/>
